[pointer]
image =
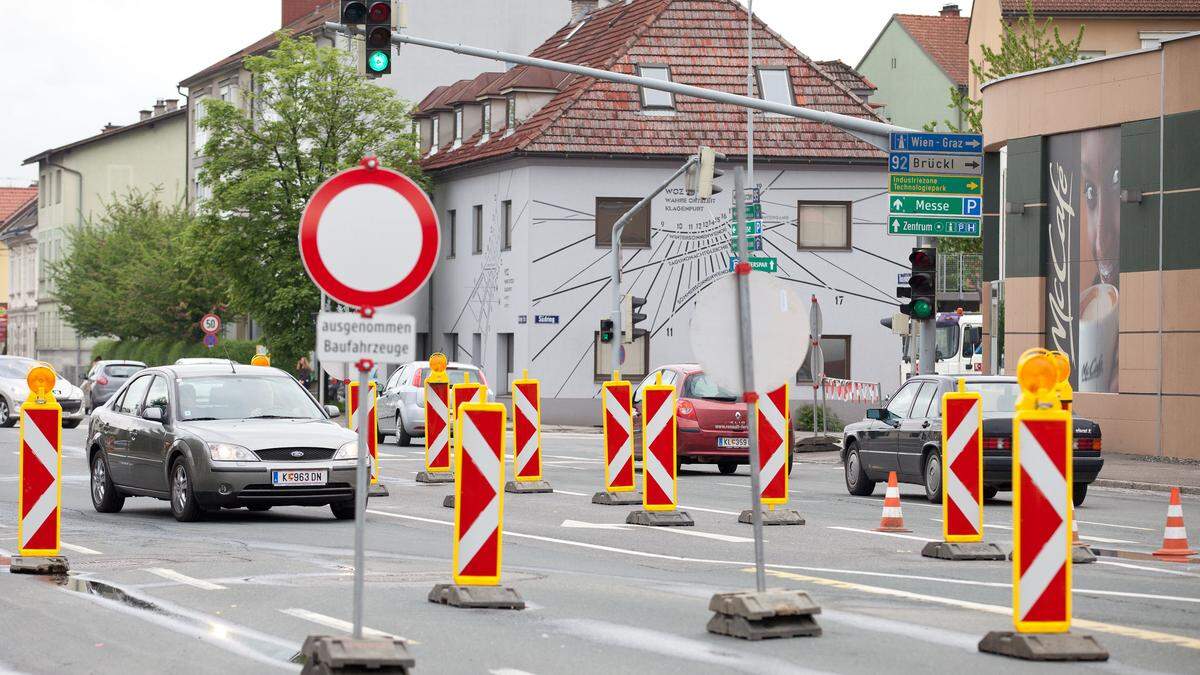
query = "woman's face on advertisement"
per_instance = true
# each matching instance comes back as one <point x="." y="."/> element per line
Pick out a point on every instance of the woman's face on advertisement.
<point x="1101" y="159"/>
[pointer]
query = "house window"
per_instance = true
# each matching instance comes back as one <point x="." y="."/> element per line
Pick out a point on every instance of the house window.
<point x="823" y="225"/>
<point x="506" y="222"/>
<point x="58" y="187"/>
<point x="451" y="230"/>
<point x="200" y="134"/>
<point x="477" y="229"/>
<point x="1153" y="38"/>
<point x="775" y="85"/>
<point x="452" y="346"/>
<point x="836" y="350"/>
<point x="637" y="230"/>
<point x="458" y="126"/>
<point x="416" y="132"/>
<point x="487" y="120"/>
<point x="433" y="139"/>
<point x="1087" y="54"/>
<point x="44" y="190"/>
<point x="510" y="112"/>
<point x="653" y="99"/>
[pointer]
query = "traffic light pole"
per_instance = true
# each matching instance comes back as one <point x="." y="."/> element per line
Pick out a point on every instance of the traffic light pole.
<point x="618" y="228"/>
<point x="927" y="348"/>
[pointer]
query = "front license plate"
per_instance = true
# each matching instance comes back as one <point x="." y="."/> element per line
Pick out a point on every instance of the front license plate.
<point x="310" y="477"/>
<point x="733" y="442"/>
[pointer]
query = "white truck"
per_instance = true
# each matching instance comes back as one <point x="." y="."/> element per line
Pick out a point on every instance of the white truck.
<point x="959" y="345"/>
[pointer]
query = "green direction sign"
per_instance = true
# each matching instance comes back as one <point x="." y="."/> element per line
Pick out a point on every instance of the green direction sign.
<point x="935" y="185"/>
<point x="758" y="264"/>
<point x="753" y="212"/>
<point x="949" y="226"/>
<point x="917" y="205"/>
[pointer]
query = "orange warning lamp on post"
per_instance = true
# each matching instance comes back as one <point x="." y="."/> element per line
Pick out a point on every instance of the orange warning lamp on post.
<point x="1037" y="373"/>
<point x="437" y="364"/>
<point x="1062" y="389"/>
<point x="41" y="379"/>
<point x="261" y="360"/>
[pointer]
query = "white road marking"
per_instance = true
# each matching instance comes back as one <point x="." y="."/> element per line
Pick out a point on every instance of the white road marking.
<point x="1147" y="568"/>
<point x="701" y="508"/>
<point x="882" y="534"/>
<point x="879" y="502"/>
<point x="1147" y="596"/>
<point x="336" y="624"/>
<point x="736" y="485"/>
<point x="575" y="524"/>
<point x="510" y="671"/>
<point x="1105" y="540"/>
<point x="1123" y="527"/>
<point x="184" y="579"/>
<point x="568" y="492"/>
<point x="401" y="459"/>
<point x="574" y="458"/>
<point x="80" y="549"/>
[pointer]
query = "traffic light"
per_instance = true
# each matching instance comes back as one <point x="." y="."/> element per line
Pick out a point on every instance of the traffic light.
<point x="606" y="330"/>
<point x="701" y="176"/>
<point x="922" y="285"/>
<point x="379" y="37"/>
<point x="630" y="317"/>
<point x="354" y="12"/>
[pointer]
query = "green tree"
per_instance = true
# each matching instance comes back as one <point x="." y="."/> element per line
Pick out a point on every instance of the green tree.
<point x="134" y="274"/>
<point x="310" y="116"/>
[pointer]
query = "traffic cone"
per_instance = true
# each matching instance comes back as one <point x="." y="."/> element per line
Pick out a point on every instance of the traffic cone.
<point x="893" y="518"/>
<point x="1175" y="542"/>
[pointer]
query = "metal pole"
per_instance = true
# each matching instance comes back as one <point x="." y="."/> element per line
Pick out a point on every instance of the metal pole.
<point x="928" y="345"/>
<point x="824" y="410"/>
<point x="871" y="131"/>
<point x="360" y="497"/>
<point x="747" y="357"/>
<point x="615" y="280"/>
<point x="750" y="93"/>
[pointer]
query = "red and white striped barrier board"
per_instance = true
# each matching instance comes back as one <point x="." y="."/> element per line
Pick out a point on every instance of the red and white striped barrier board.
<point x="850" y="391"/>
<point x="962" y="466"/>
<point x="40" y="497"/>
<point x="437" y="427"/>
<point x="372" y="425"/>
<point x="478" y="493"/>
<point x="773" y="446"/>
<point x="658" y="448"/>
<point x="617" y="402"/>
<point x="467" y="392"/>
<point x="1042" y="523"/>
<point x="527" y="430"/>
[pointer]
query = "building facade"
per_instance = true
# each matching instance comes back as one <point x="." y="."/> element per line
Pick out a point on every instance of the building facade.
<point x="1095" y="248"/>
<point x="77" y="180"/>
<point x="531" y="169"/>
<point x="18" y="234"/>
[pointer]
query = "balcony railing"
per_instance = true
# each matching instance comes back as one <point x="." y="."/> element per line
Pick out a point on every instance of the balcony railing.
<point x="960" y="273"/>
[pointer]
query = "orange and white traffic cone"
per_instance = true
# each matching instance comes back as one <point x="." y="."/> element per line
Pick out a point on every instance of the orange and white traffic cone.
<point x="893" y="518"/>
<point x="1175" y="541"/>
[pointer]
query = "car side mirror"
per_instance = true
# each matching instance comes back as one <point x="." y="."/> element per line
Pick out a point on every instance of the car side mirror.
<point x="333" y="411"/>
<point x="877" y="414"/>
<point x="154" y="414"/>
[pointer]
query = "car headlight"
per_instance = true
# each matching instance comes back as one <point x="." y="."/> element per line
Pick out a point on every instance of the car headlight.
<point x="228" y="452"/>
<point x="349" y="450"/>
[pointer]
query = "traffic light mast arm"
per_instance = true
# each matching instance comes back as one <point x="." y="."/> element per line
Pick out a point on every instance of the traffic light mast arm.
<point x="871" y="131"/>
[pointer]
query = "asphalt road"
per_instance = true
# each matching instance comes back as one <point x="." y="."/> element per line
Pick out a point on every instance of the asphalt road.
<point x="239" y="592"/>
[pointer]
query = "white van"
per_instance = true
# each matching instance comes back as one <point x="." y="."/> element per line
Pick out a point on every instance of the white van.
<point x="959" y="345"/>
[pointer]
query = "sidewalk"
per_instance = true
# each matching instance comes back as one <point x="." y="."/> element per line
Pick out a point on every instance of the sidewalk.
<point x="1139" y="472"/>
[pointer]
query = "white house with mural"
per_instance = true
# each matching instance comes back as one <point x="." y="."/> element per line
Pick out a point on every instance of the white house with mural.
<point x="531" y="168"/>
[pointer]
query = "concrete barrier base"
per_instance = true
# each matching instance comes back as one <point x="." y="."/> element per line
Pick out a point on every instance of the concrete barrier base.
<point x="527" y="487"/>
<point x="440" y="477"/>
<point x="476" y="597"/>
<point x="776" y="517"/>
<point x="617" y="498"/>
<point x="26" y="564"/>
<point x="1082" y="555"/>
<point x="979" y="550"/>
<point x="751" y="615"/>
<point x="378" y="490"/>
<point x="324" y="654"/>
<point x="1043" y="646"/>
<point x="660" y="518"/>
<point x="448" y="502"/>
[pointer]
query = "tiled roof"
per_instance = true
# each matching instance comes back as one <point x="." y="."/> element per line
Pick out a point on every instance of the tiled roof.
<point x="12" y="199"/>
<point x="306" y="24"/>
<point x="944" y="39"/>
<point x="846" y="75"/>
<point x="702" y="41"/>
<point x="1103" y="6"/>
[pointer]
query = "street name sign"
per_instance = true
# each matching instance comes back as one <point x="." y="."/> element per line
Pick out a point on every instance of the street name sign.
<point x="949" y="143"/>
<point x="934" y="185"/>
<point x="914" y="162"/>
<point x="758" y="264"/>
<point x="935" y="206"/>
<point x="947" y="226"/>
<point x="349" y="336"/>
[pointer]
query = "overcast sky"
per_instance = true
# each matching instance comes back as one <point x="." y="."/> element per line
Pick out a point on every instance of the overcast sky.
<point x="70" y="66"/>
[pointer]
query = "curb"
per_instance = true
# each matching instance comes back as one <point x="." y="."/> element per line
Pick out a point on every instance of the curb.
<point x="1145" y="487"/>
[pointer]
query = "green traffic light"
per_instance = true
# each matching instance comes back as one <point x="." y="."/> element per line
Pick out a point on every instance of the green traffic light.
<point x="921" y="309"/>
<point x="378" y="61"/>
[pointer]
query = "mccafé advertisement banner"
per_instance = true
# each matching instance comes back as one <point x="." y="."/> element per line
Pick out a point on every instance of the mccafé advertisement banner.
<point x="1083" y="281"/>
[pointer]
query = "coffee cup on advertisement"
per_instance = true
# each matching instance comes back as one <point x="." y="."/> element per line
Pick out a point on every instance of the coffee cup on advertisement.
<point x="1099" y="324"/>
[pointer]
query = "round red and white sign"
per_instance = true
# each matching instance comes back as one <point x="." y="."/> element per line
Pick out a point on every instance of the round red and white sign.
<point x="210" y="324"/>
<point x="369" y="237"/>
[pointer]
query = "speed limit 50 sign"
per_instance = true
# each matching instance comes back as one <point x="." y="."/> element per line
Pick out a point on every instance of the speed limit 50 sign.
<point x="210" y="324"/>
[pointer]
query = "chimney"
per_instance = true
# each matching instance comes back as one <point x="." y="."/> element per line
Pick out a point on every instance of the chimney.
<point x="296" y="9"/>
<point x="950" y="10"/>
<point x="109" y="127"/>
<point x="143" y="115"/>
<point x="580" y="9"/>
<point x="172" y="104"/>
<point x="159" y="107"/>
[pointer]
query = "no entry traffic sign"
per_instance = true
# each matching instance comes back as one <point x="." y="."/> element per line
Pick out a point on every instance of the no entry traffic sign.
<point x="369" y="236"/>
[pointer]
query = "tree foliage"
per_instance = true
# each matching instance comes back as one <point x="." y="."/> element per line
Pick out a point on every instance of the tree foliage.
<point x="310" y="116"/>
<point x="134" y="273"/>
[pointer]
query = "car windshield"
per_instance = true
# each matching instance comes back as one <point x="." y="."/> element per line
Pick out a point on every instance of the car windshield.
<point x="121" y="371"/>
<point x="16" y="369"/>
<point x="456" y="375"/>
<point x="997" y="396"/>
<point x="699" y="386"/>
<point x="240" y="396"/>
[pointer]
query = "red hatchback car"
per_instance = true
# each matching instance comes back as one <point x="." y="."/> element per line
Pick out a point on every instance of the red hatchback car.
<point x="711" y="420"/>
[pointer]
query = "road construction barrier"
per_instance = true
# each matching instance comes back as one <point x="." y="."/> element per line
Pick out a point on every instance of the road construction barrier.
<point x="659" y="478"/>
<point x="466" y="392"/>
<point x="478" y="492"/>
<point x="1175" y="541"/>
<point x="850" y="391"/>
<point x="39" y="501"/>
<point x="892" y="519"/>
<point x="773" y="446"/>
<point x="372" y="423"/>
<point x="437" y="425"/>
<point x="617" y="402"/>
<point x="527" y="429"/>
<point x="962" y="465"/>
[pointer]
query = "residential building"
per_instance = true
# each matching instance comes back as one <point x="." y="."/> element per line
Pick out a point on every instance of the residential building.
<point x="848" y="77"/>
<point x="18" y="235"/>
<point x="1112" y="26"/>
<point x="77" y="180"/>
<point x="531" y="168"/>
<point x="915" y="62"/>
<point x="13" y="200"/>
<point x="1098" y="186"/>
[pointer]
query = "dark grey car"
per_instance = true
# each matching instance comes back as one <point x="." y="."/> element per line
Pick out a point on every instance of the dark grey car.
<point x="105" y="379"/>
<point x="207" y="437"/>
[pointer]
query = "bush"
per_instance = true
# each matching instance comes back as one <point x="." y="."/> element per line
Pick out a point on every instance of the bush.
<point x="161" y="352"/>
<point x="803" y="419"/>
<point x="104" y="349"/>
<point x="177" y="350"/>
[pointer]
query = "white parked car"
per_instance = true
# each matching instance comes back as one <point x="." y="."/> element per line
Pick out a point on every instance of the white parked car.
<point x="14" y="390"/>
<point x="401" y="407"/>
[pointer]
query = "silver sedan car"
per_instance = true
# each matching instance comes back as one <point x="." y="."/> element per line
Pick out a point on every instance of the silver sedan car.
<point x="14" y="390"/>
<point x="401" y="407"/>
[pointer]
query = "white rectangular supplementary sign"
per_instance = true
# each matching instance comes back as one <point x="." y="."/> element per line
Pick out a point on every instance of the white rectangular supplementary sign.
<point x="345" y="337"/>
